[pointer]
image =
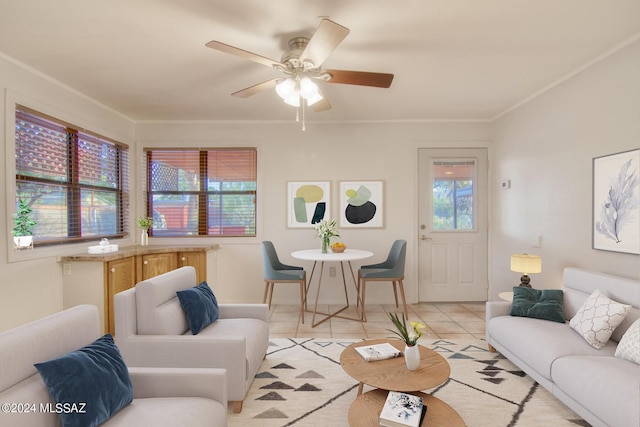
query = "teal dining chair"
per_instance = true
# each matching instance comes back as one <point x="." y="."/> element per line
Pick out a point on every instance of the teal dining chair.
<point x="277" y="272"/>
<point x="391" y="270"/>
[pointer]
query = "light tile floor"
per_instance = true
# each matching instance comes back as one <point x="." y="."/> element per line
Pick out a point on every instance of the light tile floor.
<point x="443" y="320"/>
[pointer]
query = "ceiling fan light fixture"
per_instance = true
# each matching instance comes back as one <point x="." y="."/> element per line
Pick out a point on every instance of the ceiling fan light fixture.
<point x="293" y="99"/>
<point x="286" y="88"/>
<point x="308" y="89"/>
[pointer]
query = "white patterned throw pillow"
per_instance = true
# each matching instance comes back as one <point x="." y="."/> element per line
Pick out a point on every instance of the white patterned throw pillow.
<point x="597" y="318"/>
<point x="629" y="346"/>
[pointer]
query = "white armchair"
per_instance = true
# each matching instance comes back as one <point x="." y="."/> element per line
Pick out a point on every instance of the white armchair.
<point x="152" y="330"/>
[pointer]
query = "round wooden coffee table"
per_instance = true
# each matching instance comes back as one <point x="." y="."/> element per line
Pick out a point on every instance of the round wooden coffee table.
<point x="365" y="411"/>
<point x="392" y="374"/>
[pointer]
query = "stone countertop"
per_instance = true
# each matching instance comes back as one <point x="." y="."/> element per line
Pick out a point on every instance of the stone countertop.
<point x="127" y="251"/>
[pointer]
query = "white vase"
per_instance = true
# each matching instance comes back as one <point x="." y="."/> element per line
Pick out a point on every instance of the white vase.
<point x="412" y="357"/>
<point x="22" y="242"/>
<point x="144" y="237"/>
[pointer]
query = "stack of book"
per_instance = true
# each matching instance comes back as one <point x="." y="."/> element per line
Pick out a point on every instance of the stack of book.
<point x="402" y="410"/>
<point x="378" y="352"/>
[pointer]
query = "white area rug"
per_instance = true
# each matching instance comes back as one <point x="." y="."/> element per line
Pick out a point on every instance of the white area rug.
<point x="301" y="383"/>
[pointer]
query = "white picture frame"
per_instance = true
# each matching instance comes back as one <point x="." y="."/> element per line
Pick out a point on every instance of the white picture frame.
<point x="616" y="202"/>
<point x="308" y="202"/>
<point x="361" y="204"/>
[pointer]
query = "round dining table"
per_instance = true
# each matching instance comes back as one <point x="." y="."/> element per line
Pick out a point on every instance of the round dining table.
<point x="347" y="256"/>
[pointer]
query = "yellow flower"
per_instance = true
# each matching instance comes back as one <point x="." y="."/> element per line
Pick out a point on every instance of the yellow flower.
<point x="417" y="327"/>
<point x="410" y="337"/>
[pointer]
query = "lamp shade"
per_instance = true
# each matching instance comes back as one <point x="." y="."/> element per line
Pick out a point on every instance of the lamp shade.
<point x="526" y="264"/>
<point x="286" y="88"/>
<point x="293" y="99"/>
<point x="308" y="89"/>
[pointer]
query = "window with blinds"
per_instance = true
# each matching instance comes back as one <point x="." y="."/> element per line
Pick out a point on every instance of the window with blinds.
<point x="194" y="192"/>
<point x="75" y="181"/>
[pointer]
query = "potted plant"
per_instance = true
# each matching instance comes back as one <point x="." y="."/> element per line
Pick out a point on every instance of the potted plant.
<point x="145" y="224"/>
<point x="23" y="225"/>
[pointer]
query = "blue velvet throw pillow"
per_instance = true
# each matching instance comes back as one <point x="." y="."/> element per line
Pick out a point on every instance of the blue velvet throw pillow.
<point x="545" y="304"/>
<point x="88" y="385"/>
<point x="200" y="306"/>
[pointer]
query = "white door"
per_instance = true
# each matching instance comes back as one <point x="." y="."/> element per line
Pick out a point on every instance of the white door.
<point x="452" y="224"/>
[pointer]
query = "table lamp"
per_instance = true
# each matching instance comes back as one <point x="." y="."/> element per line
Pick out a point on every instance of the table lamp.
<point x="526" y="264"/>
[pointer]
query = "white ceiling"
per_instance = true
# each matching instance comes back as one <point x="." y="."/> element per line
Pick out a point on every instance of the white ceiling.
<point x="452" y="59"/>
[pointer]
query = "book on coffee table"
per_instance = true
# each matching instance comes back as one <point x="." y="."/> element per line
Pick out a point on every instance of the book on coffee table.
<point x="402" y="410"/>
<point x="378" y="352"/>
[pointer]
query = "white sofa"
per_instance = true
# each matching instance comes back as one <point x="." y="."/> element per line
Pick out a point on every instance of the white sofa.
<point x="161" y="396"/>
<point x="601" y="388"/>
<point x="152" y="330"/>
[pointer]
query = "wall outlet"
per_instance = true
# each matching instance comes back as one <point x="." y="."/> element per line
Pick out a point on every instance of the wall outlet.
<point x="332" y="271"/>
<point x="66" y="269"/>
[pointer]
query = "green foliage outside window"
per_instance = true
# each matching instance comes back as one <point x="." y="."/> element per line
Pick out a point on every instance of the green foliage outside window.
<point x="453" y="205"/>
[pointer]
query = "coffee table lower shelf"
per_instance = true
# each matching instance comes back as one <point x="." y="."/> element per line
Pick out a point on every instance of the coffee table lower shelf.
<point x="365" y="410"/>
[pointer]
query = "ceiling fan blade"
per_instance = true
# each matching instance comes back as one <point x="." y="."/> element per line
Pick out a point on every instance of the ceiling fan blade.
<point x="327" y="37"/>
<point x="242" y="53"/>
<point x="260" y="87"/>
<point x="361" y="78"/>
<point x="322" y="105"/>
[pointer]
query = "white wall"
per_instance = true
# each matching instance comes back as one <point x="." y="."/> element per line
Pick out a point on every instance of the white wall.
<point x="546" y="149"/>
<point x="324" y="152"/>
<point x="32" y="287"/>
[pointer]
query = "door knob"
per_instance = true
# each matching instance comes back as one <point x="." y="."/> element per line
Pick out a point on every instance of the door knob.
<point x="423" y="237"/>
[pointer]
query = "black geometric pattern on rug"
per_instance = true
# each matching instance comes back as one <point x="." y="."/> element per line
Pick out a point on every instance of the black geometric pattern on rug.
<point x="274" y="413"/>
<point x="271" y="396"/>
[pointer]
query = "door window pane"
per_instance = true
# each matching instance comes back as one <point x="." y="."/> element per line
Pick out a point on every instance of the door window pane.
<point x="453" y="203"/>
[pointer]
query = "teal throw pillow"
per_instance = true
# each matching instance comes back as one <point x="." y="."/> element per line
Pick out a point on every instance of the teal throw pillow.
<point x="200" y="305"/>
<point x="545" y="304"/>
<point x="88" y="385"/>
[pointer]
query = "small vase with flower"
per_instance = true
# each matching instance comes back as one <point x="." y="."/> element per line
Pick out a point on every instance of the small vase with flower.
<point x="326" y="230"/>
<point x="145" y="224"/>
<point x="408" y="334"/>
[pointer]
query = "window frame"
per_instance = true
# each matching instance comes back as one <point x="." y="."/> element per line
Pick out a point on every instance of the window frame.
<point x="203" y="194"/>
<point x="14" y="102"/>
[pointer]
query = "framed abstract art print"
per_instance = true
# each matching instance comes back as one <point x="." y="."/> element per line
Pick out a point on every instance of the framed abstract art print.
<point x="616" y="202"/>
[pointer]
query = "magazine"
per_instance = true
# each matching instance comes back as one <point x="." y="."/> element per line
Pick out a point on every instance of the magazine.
<point x="402" y="410"/>
<point x="378" y="352"/>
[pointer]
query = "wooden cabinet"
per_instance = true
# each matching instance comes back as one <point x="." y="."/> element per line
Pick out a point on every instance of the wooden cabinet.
<point x="151" y="265"/>
<point x="122" y="270"/>
<point x="198" y="260"/>
<point x="120" y="275"/>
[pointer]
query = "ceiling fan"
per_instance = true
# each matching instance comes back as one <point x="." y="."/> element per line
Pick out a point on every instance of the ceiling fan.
<point x="301" y="65"/>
